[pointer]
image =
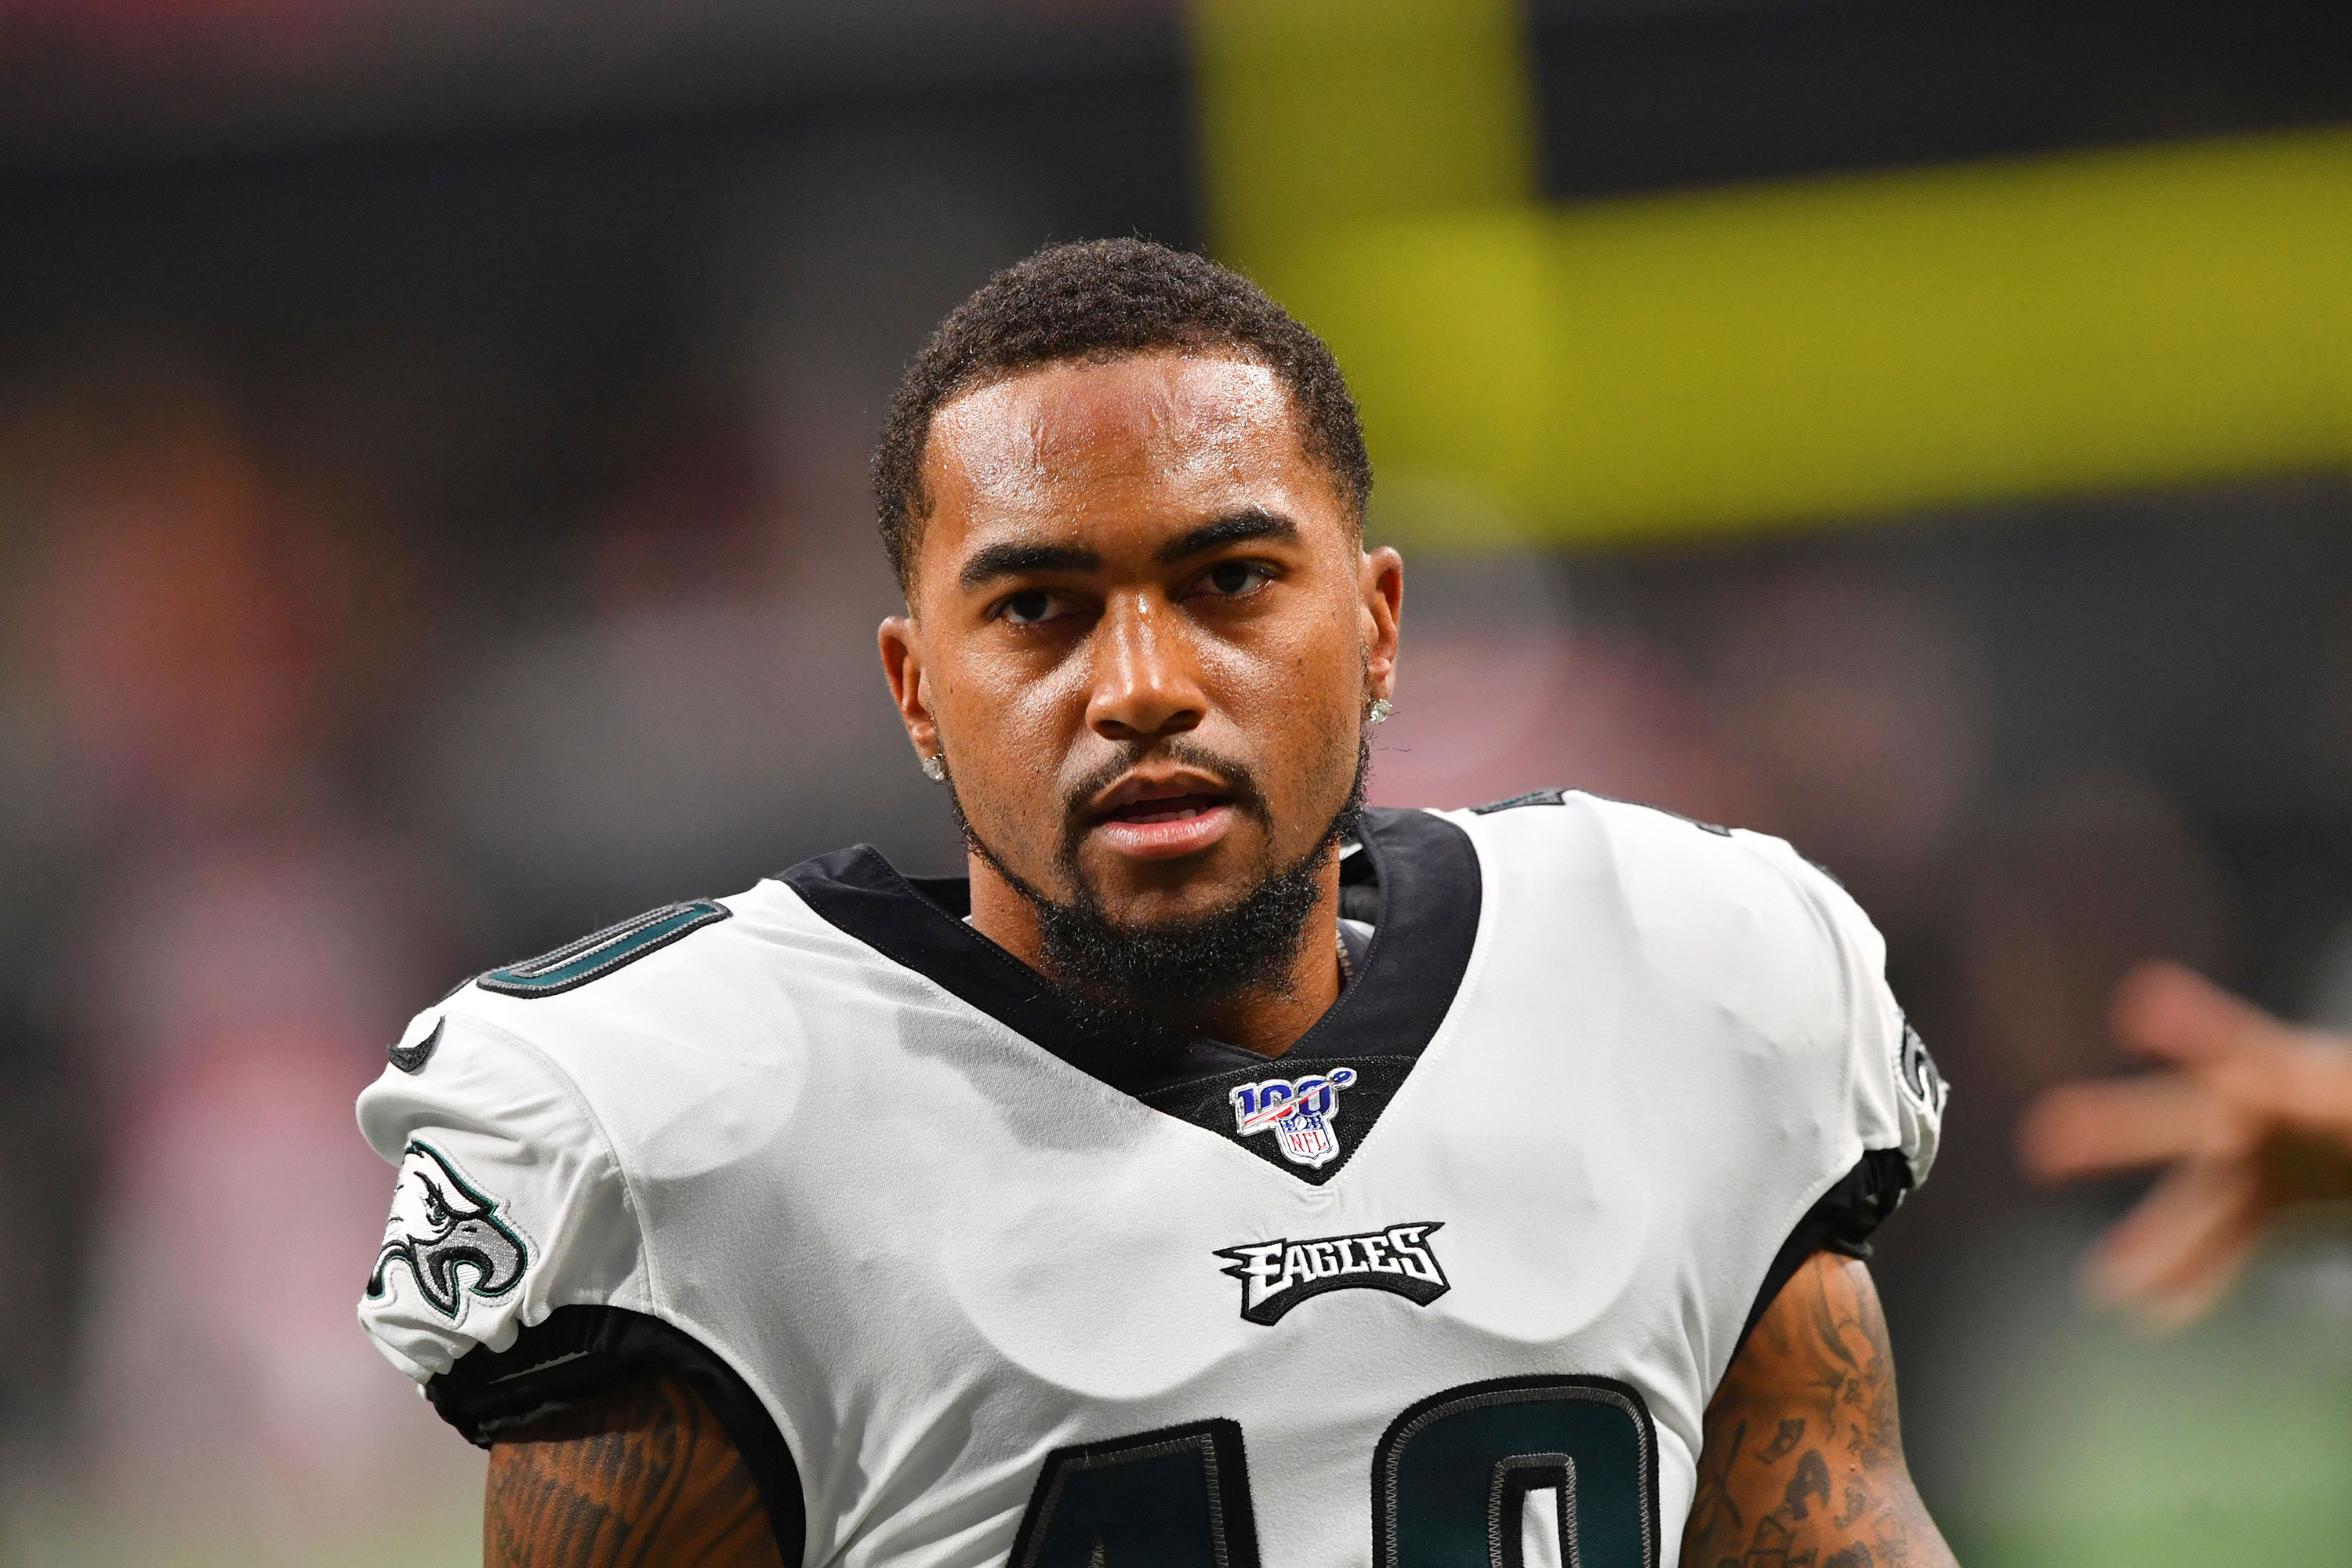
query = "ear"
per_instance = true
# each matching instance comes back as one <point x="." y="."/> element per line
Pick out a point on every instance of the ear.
<point x="902" y="665"/>
<point x="1381" y="593"/>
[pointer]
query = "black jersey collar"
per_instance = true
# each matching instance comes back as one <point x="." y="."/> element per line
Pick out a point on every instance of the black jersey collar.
<point x="1429" y="897"/>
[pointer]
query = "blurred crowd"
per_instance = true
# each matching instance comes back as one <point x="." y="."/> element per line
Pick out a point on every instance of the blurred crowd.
<point x="281" y="759"/>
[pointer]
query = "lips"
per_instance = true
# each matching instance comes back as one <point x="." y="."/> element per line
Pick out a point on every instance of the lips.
<point x="1160" y="818"/>
<point x="1149" y="797"/>
<point x="1164" y="809"/>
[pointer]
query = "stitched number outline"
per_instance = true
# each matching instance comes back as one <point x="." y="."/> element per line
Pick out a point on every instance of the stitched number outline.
<point x="1451" y="1480"/>
<point x="1452" y="1474"/>
<point x="1178" y="1497"/>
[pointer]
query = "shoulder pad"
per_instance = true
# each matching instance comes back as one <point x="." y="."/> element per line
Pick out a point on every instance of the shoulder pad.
<point x="1560" y="797"/>
<point x="596" y="956"/>
<point x="1532" y="797"/>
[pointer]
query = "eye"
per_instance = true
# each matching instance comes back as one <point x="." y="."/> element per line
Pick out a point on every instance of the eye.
<point x="1028" y="607"/>
<point x="1234" y="579"/>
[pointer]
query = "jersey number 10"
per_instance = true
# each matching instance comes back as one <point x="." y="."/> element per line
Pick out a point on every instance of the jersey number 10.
<point x="1451" y="1480"/>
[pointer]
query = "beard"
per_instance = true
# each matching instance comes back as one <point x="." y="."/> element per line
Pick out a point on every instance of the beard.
<point x="1180" y="970"/>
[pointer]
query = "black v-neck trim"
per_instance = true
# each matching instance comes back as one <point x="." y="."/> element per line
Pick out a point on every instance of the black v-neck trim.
<point x="1403" y="987"/>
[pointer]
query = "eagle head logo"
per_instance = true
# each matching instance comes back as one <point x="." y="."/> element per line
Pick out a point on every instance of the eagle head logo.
<point x="447" y="1235"/>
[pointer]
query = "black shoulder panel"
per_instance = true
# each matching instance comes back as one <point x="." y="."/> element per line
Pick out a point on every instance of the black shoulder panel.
<point x="581" y="1353"/>
<point x="593" y="957"/>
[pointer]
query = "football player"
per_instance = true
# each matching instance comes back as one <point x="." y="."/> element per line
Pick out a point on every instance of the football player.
<point x="1221" y="1174"/>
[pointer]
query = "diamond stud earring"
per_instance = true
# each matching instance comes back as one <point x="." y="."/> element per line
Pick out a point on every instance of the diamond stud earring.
<point x="1379" y="712"/>
<point x="935" y="770"/>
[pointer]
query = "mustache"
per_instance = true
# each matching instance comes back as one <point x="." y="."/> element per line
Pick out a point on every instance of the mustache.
<point x="1234" y="777"/>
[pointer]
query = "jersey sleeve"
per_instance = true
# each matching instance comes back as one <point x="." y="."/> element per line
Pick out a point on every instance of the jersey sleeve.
<point x="508" y="1203"/>
<point x="1890" y="1098"/>
<point x="1893" y="1092"/>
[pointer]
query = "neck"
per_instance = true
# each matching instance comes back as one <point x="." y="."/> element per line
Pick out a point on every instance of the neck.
<point x="1267" y="1021"/>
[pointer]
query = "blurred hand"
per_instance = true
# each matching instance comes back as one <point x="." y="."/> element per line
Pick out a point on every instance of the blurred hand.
<point x="2255" y="1117"/>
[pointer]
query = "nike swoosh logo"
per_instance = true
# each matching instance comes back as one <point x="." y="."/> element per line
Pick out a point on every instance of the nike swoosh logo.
<point x="412" y="1059"/>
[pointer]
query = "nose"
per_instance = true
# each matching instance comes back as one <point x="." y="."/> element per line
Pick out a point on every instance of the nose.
<point x="1145" y="679"/>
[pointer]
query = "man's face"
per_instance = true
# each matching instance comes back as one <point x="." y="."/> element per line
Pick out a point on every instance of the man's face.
<point x="1143" y="631"/>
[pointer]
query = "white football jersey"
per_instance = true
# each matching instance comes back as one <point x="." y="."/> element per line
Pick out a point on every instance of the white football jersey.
<point x="971" y="1277"/>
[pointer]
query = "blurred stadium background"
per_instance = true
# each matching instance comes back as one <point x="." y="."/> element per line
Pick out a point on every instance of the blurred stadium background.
<point x="433" y="523"/>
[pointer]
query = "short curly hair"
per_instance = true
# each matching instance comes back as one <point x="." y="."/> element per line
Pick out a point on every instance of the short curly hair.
<point x="1101" y="299"/>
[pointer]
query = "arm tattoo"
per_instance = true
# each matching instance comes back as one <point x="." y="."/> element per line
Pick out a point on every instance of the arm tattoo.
<point x="1713" y="1511"/>
<point x="1829" y="1489"/>
<point x="1791" y="1433"/>
<point x="643" y="1477"/>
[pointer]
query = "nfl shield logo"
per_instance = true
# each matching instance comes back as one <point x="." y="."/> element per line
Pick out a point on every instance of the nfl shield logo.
<point x="1299" y="1111"/>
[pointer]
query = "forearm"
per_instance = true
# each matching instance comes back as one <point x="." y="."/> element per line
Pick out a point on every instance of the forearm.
<point x="1803" y="1458"/>
<point x="643" y="1477"/>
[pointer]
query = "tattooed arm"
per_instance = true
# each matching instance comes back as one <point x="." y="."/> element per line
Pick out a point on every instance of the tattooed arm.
<point x="643" y="1477"/>
<point x="1802" y="1466"/>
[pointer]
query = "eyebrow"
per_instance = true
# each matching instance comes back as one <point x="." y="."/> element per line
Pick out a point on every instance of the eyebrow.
<point x="1238" y="528"/>
<point x="1009" y="559"/>
<point x="1014" y="559"/>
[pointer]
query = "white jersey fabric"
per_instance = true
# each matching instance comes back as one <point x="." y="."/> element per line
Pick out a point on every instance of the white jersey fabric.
<point x="970" y="1275"/>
